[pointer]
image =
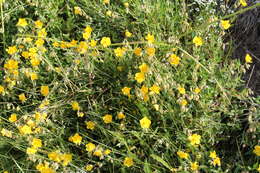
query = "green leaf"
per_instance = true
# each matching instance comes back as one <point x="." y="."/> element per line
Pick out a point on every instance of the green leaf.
<point x="147" y="168"/>
<point x="159" y="159"/>
<point x="144" y="111"/>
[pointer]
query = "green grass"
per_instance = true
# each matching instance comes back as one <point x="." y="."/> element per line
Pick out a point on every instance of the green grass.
<point x="223" y="113"/>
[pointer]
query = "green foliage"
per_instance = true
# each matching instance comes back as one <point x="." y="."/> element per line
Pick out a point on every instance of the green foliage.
<point x="219" y="109"/>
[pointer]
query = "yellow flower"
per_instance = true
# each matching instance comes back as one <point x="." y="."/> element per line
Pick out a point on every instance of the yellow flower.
<point x="98" y="153"/>
<point x="39" y="42"/>
<point x="150" y="38"/>
<point x="76" y="138"/>
<point x="38" y="24"/>
<point x="257" y="150"/>
<point x="225" y="24"/>
<point x="106" y="1"/>
<point x="6" y="133"/>
<point x="12" y="118"/>
<point x="217" y="161"/>
<point x="145" y="123"/>
<point x="82" y="47"/>
<point x="109" y="13"/>
<point x="128" y="34"/>
<point x="144" y="90"/>
<point x="90" y="125"/>
<point x="107" y="118"/>
<point x="126" y="4"/>
<point x="174" y="60"/>
<point x="197" y="41"/>
<point x="80" y="114"/>
<point x="66" y="158"/>
<point x="31" y="150"/>
<point x="144" y="68"/>
<point x="75" y="106"/>
<point x="213" y="154"/>
<point x="105" y="41"/>
<point x="248" y="58"/>
<point x="107" y="151"/>
<point x="35" y="61"/>
<point x="197" y="90"/>
<point x="128" y="162"/>
<point x="243" y="3"/>
<point x="22" y="22"/>
<point x="126" y="91"/>
<point x="54" y="156"/>
<point x="44" y="168"/>
<point x="156" y="107"/>
<point x="11" y="64"/>
<point x="86" y="35"/>
<point x="55" y="44"/>
<point x="155" y="89"/>
<point x="194" y="166"/>
<point x="25" y="129"/>
<point x="90" y="147"/>
<point x="11" y="50"/>
<point x="42" y="33"/>
<point x="139" y="77"/>
<point x="77" y="10"/>
<point x="183" y="102"/>
<point x="145" y="97"/>
<point x="138" y="51"/>
<point x="181" y="90"/>
<point x="33" y="76"/>
<point x="44" y="90"/>
<point x="182" y="155"/>
<point x="93" y="43"/>
<point x="25" y="54"/>
<point x="120" y="115"/>
<point x="89" y="167"/>
<point x="2" y="89"/>
<point x="28" y="39"/>
<point x="194" y="139"/>
<point x="150" y="51"/>
<point x="36" y="143"/>
<point x="258" y="169"/>
<point x="119" y="52"/>
<point x="22" y="97"/>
